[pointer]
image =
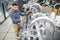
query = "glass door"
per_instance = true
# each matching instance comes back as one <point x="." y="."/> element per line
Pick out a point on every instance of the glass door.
<point x="1" y="13"/>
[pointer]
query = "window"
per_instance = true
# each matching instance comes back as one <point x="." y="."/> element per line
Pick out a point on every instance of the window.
<point x="1" y="13"/>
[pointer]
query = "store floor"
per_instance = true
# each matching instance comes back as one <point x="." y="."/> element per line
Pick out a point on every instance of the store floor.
<point x="7" y="31"/>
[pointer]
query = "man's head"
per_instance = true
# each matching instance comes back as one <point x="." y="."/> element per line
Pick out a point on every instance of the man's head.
<point x="27" y="11"/>
<point x="14" y="6"/>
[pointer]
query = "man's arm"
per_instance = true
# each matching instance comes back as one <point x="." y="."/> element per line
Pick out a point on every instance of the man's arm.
<point x="22" y="14"/>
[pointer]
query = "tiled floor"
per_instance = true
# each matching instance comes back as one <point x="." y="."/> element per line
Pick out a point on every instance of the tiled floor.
<point x="6" y="31"/>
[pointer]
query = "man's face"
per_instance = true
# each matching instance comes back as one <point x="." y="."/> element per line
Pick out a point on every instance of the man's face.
<point x="15" y="8"/>
<point x="27" y="12"/>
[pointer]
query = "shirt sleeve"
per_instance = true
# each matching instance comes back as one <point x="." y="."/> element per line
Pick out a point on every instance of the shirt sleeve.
<point x="22" y="14"/>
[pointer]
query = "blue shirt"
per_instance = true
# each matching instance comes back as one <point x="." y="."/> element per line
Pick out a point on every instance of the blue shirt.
<point x="15" y="16"/>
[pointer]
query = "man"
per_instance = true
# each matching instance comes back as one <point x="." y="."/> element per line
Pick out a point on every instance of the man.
<point x="15" y="16"/>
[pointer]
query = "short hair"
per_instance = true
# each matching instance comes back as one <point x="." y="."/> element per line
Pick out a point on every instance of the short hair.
<point x="14" y="4"/>
<point x="27" y="9"/>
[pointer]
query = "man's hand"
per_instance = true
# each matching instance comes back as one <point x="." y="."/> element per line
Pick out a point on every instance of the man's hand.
<point x="21" y="18"/>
